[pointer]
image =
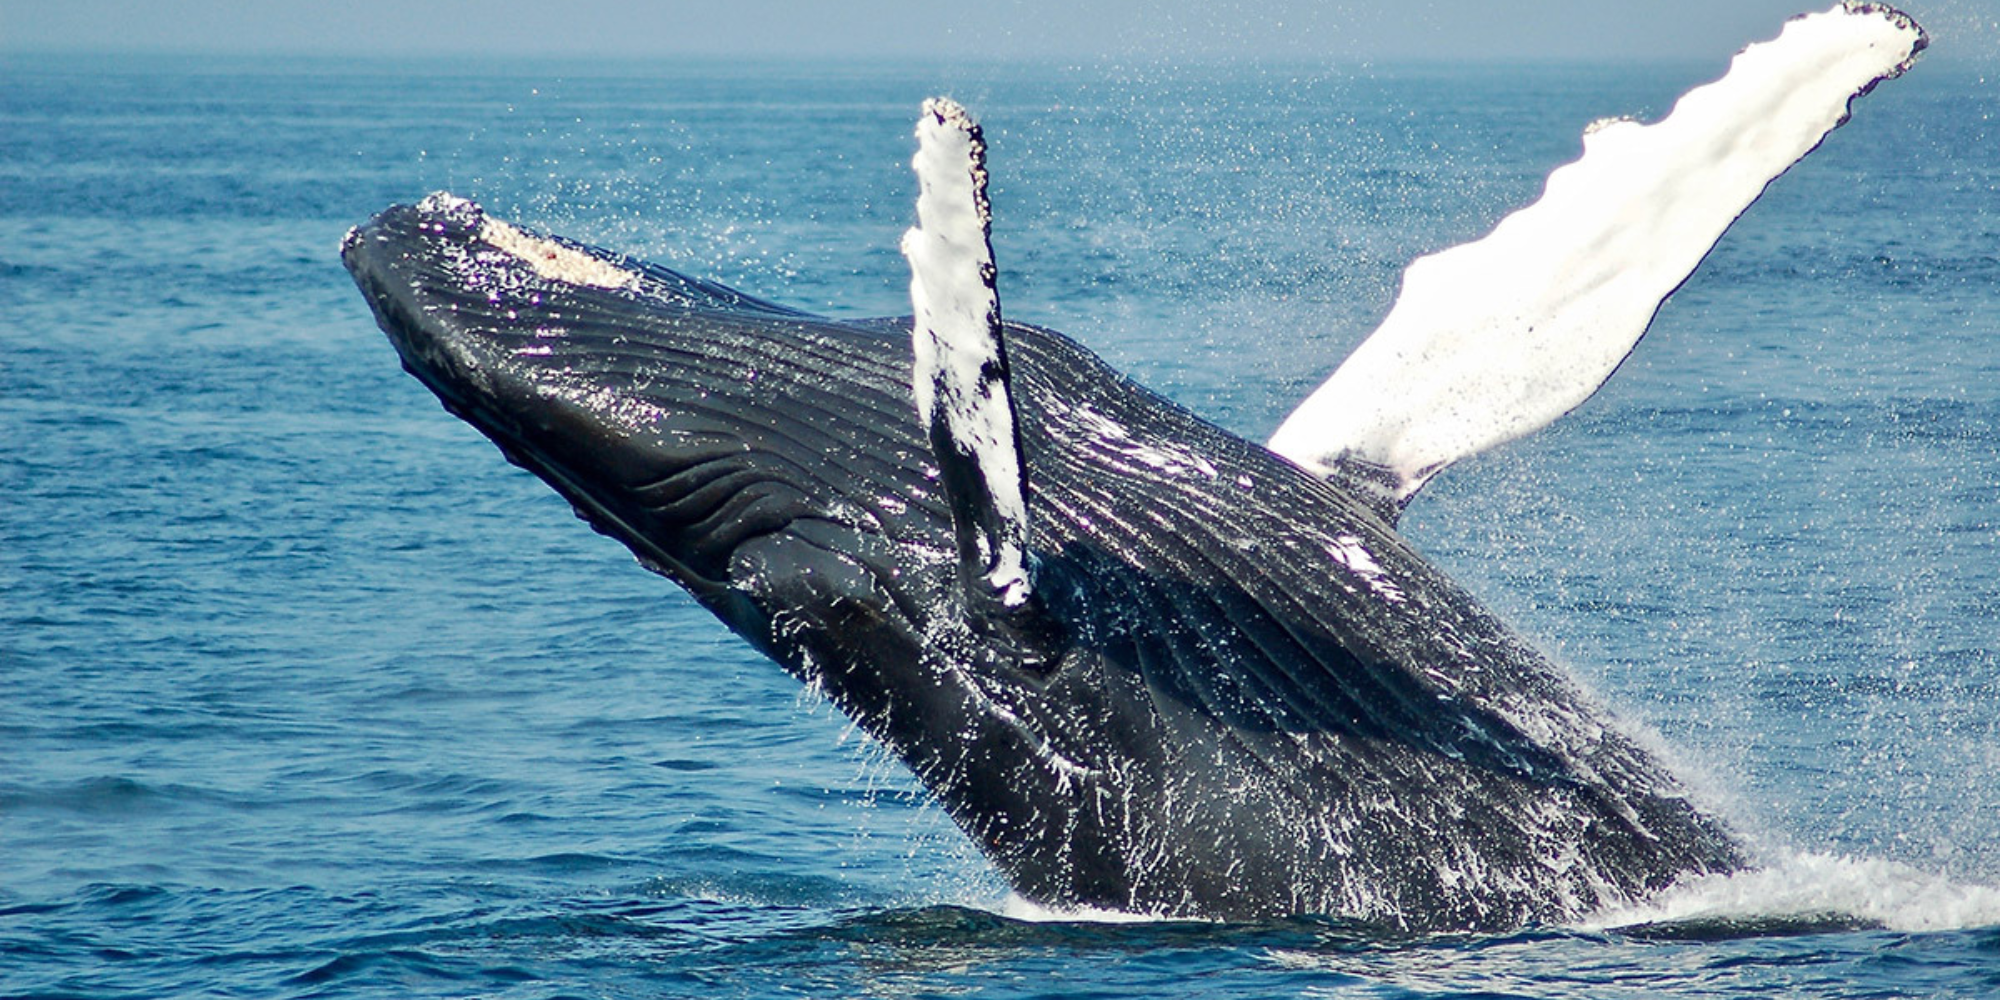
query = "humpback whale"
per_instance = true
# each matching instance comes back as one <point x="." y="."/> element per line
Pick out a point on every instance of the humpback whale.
<point x="1145" y="664"/>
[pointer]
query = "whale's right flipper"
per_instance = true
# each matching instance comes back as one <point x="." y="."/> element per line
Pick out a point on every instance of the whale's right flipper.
<point x="1494" y="339"/>
<point x="964" y="390"/>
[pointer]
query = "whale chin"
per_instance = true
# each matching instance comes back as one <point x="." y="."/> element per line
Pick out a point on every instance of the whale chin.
<point x="1235" y="693"/>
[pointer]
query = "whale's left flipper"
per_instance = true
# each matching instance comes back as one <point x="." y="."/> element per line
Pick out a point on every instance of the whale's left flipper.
<point x="1494" y="339"/>
<point x="964" y="393"/>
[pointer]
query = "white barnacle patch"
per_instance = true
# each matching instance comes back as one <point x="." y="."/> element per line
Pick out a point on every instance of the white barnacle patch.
<point x="1348" y="551"/>
<point x="554" y="261"/>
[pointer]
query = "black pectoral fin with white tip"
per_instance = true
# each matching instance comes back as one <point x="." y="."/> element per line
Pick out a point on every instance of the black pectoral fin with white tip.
<point x="961" y="377"/>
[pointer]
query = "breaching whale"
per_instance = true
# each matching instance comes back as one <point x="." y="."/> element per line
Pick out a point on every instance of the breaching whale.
<point x="1145" y="664"/>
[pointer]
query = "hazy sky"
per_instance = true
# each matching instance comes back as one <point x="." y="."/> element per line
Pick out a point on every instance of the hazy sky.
<point x="1075" y="29"/>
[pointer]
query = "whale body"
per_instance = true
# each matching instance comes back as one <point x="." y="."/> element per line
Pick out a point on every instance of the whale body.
<point x="1252" y="697"/>
<point x="1145" y="664"/>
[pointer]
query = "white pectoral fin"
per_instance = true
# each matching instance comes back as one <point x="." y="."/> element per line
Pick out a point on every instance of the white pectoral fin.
<point x="961" y="375"/>
<point x="1495" y="339"/>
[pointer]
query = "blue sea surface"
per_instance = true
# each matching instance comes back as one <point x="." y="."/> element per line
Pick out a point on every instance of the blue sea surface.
<point x="305" y="692"/>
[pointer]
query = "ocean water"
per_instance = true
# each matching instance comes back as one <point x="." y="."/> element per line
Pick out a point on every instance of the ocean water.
<point x="305" y="692"/>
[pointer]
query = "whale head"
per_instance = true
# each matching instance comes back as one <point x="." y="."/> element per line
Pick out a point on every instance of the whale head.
<point x="718" y="436"/>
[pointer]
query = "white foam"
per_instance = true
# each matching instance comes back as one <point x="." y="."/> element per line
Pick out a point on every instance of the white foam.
<point x="1814" y="886"/>
<point x="1809" y="886"/>
<point x="1019" y="907"/>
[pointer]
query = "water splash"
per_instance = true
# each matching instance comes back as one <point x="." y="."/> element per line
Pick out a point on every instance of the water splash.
<point x="1018" y="907"/>
<point x="1820" y="888"/>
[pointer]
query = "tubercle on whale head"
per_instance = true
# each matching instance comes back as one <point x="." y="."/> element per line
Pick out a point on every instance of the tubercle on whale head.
<point x="555" y="261"/>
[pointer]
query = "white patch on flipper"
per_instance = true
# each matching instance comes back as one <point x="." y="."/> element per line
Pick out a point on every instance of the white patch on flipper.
<point x="1494" y="339"/>
<point x="956" y="332"/>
